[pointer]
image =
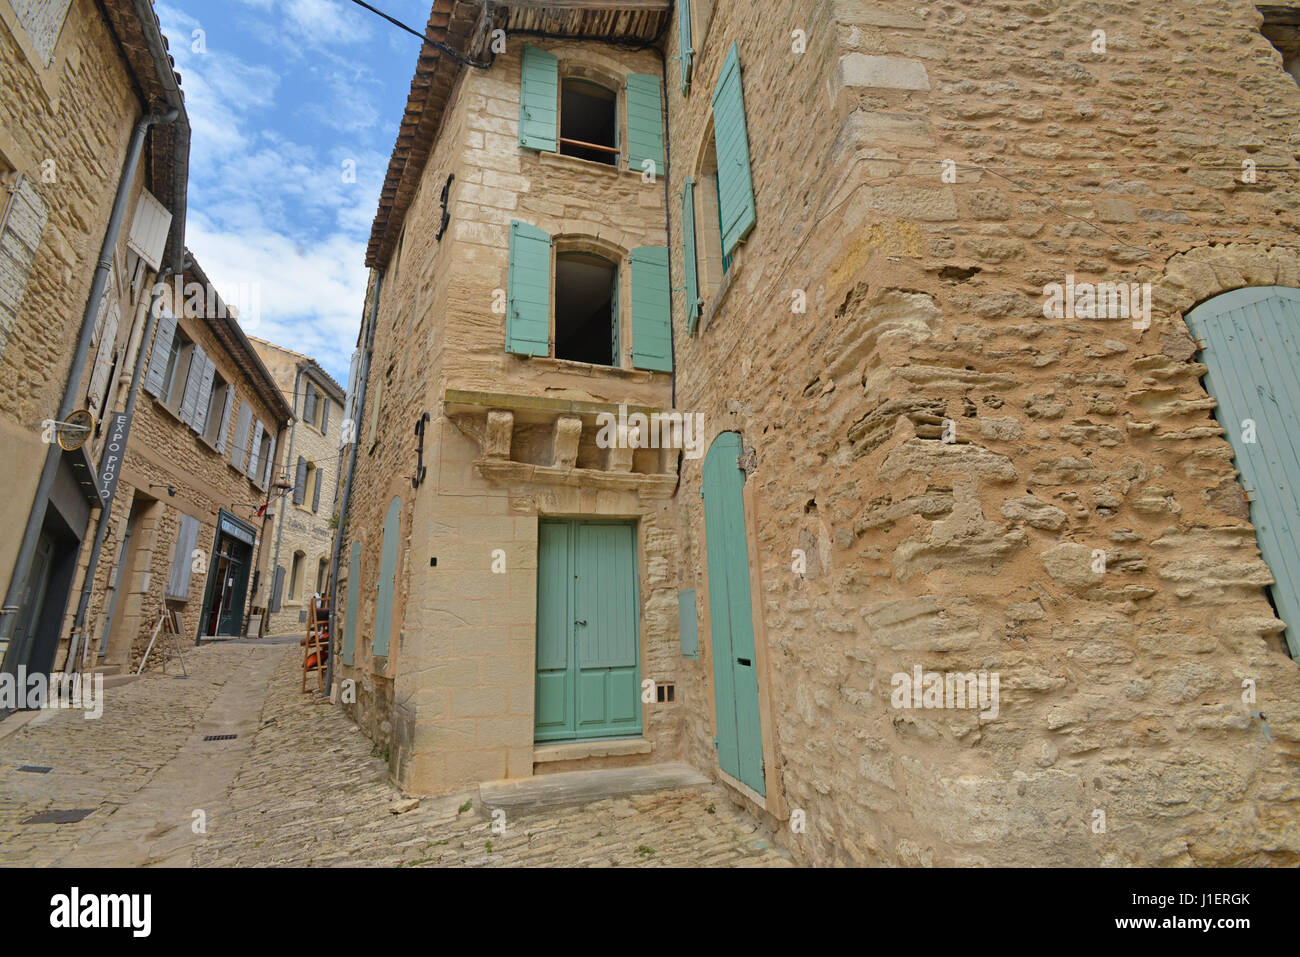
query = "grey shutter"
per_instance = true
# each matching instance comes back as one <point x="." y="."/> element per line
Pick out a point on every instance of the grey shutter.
<point x="193" y="381"/>
<point x="268" y="467"/>
<point x="239" y="453"/>
<point x="104" y="357"/>
<point x="299" y="481"/>
<point x="277" y="590"/>
<point x="254" y="450"/>
<point x="20" y="235"/>
<point x="325" y="416"/>
<point x="154" y="380"/>
<point x="225" y="419"/>
<point x="204" y="403"/>
<point x="315" y="495"/>
<point x="309" y="405"/>
<point x="178" y="586"/>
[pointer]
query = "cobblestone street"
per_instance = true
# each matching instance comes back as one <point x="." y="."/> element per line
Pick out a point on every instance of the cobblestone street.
<point x="300" y="786"/>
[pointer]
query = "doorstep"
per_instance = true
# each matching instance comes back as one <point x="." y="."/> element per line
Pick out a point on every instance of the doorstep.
<point x="577" y="750"/>
<point x="581" y="787"/>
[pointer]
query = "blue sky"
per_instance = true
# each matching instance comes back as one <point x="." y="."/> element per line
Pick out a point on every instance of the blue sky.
<point x="282" y="96"/>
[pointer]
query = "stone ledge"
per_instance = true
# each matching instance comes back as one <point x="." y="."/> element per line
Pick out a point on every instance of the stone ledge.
<point x="577" y="750"/>
<point x="657" y="485"/>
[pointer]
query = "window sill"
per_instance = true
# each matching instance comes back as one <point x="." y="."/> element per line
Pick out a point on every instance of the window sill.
<point x="577" y="163"/>
<point x="719" y="300"/>
<point x="591" y="369"/>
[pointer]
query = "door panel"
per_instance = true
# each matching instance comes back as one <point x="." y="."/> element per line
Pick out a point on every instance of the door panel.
<point x="588" y="663"/>
<point x="1252" y="353"/>
<point x="735" y="674"/>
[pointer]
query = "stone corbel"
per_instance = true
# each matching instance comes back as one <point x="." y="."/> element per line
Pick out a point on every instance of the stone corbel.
<point x="497" y="435"/>
<point x="568" y="433"/>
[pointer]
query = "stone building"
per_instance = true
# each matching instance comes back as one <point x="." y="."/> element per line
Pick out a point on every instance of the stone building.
<point x="985" y="559"/>
<point x="92" y="123"/>
<point x="306" y="516"/>
<point x="190" y="526"/>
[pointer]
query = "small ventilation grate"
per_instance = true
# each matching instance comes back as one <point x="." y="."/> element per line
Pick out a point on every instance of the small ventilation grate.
<point x="35" y="769"/>
<point x="666" y="693"/>
<point x="220" y="737"/>
<point x="60" y="817"/>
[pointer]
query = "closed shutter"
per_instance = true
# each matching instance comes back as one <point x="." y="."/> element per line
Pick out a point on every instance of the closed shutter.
<point x="309" y="405"/>
<point x="225" y="419"/>
<point x="254" y="450"/>
<point x="731" y="143"/>
<point x="652" y="346"/>
<point x="202" y="407"/>
<point x="149" y="228"/>
<point x="156" y="377"/>
<point x="387" y="578"/>
<point x="239" y="448"/>
<point x="104" y="358"/>
<point x="354" y="593"/>
<point x="300" y="481"/>
<point x="645" y="123"/>
<point x="277" y="589"/>
<point x="178" y="585"/>
<point x="528" y="317"/>
<point x="24" y="224"/>
<point x="688" y="257"/>
<point x="324" y="416"/>
<point x="315" y="492"/>
<point x="539" y="97"/>
<point x="685" y="52"/>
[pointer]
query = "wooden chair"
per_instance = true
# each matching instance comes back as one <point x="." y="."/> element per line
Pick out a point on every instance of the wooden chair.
<point x="316" y="643"/>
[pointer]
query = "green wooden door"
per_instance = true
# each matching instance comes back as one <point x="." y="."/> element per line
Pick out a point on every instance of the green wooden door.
<point x="588" y="660"/>
<point x="735" y="677"/>
<point x="1251" y="347"/>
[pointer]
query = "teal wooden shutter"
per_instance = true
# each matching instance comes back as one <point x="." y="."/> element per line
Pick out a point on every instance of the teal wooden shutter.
<point x="685" y="52"/>
<point x="354" y="591"/>
<point x="652" y="344"/>
<point x="645" y="123"/>
<point x="387" y="577"/>
<point x="554" y="690"/>
<point x="615" y="323"/>
<point x="688" y="256"/>
<point x="731" y="142"/>
<point x="539" y="98"/>
<point x="1252" y="351"/>
<point x="528" y="313"/>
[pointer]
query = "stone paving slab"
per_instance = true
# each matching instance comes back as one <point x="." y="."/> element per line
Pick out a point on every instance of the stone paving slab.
<point x="302" y="786"/>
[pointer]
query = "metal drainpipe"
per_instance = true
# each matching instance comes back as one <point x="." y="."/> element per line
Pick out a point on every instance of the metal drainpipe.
<point x="106" y="512"/>
<point x="362" y="375"/>
<point x="285" y="500"/>
<point x="36" y="517"/>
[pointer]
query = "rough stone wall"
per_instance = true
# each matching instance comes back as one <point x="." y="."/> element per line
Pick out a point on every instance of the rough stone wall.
<point x="78" y="115"/>
<point x="304" y="530"/>
<point x="1121" y="692"/>
<point x="453" y="702"/>
<point x="162" y="451"/>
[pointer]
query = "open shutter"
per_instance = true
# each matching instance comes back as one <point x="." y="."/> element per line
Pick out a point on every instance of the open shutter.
<point x="268" y="467"/>
<point x="315" y="493"/>
<point x="300" y="481"/>
<point x="178" y="585"/>
<point x="104" y="358"/>
<point x="731" y="142"/>
<point x="528" y="316"/>
<point x="277" y="589"/>
<point x="685" y="51"/>
<point x="23" y="225"/>
<point x="688" y="257"/>
<point x="149" y="229"/>
<point x="254" y="450"/>
<point x="155" y="378"/>
<point x="193" y="379"/>
<point x="309" y="405"/>
<point x="225" y="419"/>
<point x="645" y="123"/>
<point x="324" y="416"/>
<point x="652" y="346"/>
<point x="239" y="450"/>
<point x="205" y="395"/>
<point x="387" y="578"/>
<point x="616" y="322"/>
<point x="539" y="98"/>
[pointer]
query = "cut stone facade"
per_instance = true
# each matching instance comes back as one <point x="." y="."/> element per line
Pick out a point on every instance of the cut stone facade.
<point x="939" y="476"/>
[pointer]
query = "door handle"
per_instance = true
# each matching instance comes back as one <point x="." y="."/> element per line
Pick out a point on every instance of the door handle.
<point x="744" y="661"/>
<point x="582" y="622"/>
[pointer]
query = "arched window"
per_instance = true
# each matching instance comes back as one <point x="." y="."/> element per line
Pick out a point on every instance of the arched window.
<point x="586" y="308"/>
